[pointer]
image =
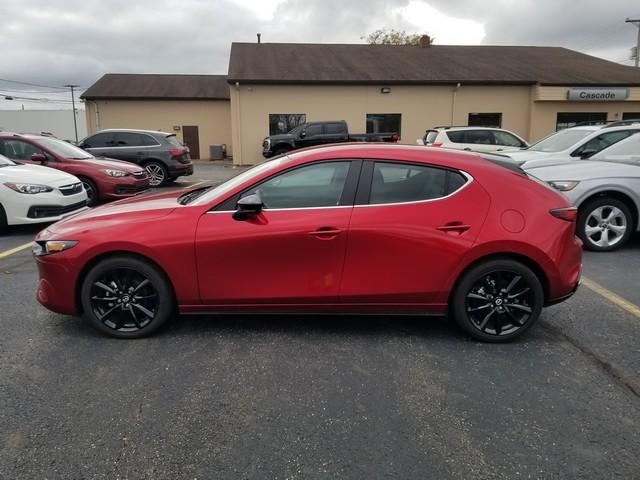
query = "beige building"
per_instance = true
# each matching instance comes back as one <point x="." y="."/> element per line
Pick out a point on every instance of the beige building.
<point x="272" y="87"/>
<point x="194" y="107"/>
<point x="532" y="91"/>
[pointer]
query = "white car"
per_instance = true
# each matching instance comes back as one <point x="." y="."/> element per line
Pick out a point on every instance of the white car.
<point x="478" y="139"/>
<point x="576" y="143"/>
<point x="35" y="194"/>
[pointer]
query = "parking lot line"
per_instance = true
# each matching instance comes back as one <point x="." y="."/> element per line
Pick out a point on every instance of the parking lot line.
<point x="612" y="297"/>
<point x="17" y="249"/>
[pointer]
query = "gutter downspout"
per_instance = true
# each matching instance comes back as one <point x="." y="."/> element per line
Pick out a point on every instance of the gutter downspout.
<point x="95" y="104"/>
<point x="237" y="149"/>
<point x="453" y="102"/>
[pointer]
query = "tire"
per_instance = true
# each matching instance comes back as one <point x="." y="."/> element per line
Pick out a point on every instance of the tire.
<point x="604" y="224"/>
<point x="93" y="194"/>
<point x="119" y="278"/>
<point x="511" y="308"/>
<point x="3" y="219"/>
<point x="158" y="174"/>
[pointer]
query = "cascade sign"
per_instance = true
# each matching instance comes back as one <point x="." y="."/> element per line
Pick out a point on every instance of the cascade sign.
<point x="597" y="94"/>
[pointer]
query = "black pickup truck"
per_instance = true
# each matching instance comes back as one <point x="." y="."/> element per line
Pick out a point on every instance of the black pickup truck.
<point x="319" y="133"/>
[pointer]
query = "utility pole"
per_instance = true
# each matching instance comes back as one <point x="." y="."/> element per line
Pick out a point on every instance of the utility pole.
<point x="636" y="22"/>
<point x="73" y="106"/>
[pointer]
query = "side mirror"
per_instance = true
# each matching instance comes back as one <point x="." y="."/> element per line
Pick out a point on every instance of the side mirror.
<point x="38" y="157"/>
<point x="248" y="206"/>
<point x="303" y="133"/>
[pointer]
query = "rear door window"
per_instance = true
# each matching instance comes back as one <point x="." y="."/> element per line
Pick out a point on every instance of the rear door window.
<point x="334" y="128"/>
<point x="126" y="139"/>
<point x="456" y="136"/>
<point x="479" y="137"/>
<point x="400" y="182"/>
<point x="313" y="129"/>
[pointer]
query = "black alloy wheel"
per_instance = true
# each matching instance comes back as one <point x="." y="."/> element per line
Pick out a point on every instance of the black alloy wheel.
<point x="498" y="301"/>
<point x="126" y="297"/>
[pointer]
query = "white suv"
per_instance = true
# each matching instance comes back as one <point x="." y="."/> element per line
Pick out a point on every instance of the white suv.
<point x="574" y="143"/>
<point x="478" y="139"/>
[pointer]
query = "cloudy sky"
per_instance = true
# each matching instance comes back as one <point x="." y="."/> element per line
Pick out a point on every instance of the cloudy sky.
<point x="51" y="44"/>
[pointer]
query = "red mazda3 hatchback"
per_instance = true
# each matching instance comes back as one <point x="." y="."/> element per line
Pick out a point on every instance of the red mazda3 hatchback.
<point x="351" y="228"/>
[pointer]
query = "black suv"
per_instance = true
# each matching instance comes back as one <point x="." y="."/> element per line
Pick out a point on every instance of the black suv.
<point x="160" y="153"/>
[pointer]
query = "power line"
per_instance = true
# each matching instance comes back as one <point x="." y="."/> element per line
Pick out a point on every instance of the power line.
<point x="31" y="84"/>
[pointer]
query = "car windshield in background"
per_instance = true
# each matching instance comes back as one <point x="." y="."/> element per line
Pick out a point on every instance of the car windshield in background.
<point x="559" y="141"/>
<point x="64" y="149"/>
<point x="5" y="162"/>
<point x="174" y="141"/>
<point x="627" y="151"/>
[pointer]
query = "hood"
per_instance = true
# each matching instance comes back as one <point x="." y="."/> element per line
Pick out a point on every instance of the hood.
<point x="585" y="170"/>
<point x="548" y="162"/>
<point x="527" y="155"/>
<point x="144" y="207"/>
<point x="281" y="137"/>
<point x="36" y="174"/>
<point x="111" y="163"/>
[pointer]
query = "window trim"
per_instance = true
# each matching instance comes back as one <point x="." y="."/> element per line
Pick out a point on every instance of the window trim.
<point x="346" y="199"/>
<point x="366" y="181"/>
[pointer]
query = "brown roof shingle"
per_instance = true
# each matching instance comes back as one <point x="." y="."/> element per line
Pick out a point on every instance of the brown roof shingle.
<point x="159" y="86"/>
<point x="291" y="63"/>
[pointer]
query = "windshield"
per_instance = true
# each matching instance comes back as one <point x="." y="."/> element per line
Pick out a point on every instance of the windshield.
<point x="5" y="162"/>
<point x="560" y="141"/>
<point x="64" y="149"/>
<point x="296" y="130"/>
<point x="624" y="150"/>
<point x="235" y="181"/>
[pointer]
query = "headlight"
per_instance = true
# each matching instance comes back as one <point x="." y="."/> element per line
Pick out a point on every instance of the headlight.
<point x="52" y="246"/>
<point x="115" y="173"/>
<point x="28" y="187"/>
<point x="564" y="185"/>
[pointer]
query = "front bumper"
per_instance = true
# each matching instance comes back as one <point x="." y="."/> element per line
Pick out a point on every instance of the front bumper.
<point x="25" y="209"/>
<point x="56" y="287"/>
<point x="123" y="187"/>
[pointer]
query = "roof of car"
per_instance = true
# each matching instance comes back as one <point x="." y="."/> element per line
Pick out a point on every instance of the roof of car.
<point x="130" y="86"/>
<point x="135" y="130"/>
<point x="308" y="63"/>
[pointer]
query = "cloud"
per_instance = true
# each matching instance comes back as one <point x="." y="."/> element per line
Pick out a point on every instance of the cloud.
<point x="76" y="41"/>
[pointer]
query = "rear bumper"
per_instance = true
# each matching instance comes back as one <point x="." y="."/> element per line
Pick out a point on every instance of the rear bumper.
<point x="180" y="169"/>
<point x="565" y="270"/>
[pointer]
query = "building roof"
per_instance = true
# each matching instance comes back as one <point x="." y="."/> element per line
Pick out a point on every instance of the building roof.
<point x="299" y="63"/>
<point x="159" y="86"/>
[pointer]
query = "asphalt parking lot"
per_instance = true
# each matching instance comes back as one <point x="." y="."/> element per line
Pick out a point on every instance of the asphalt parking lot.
<point x="322" y="397"/>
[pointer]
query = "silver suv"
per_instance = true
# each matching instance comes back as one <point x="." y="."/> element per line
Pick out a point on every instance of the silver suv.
<point x="478" y="139"/>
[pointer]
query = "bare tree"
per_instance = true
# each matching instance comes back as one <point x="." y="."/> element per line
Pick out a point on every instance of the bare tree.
<point x="394" y="37"/>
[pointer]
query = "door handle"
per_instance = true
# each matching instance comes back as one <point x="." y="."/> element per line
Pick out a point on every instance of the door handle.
<point x="467" y="149"/>
<point x="454" y="227"/>
<point x="325" y="233"/>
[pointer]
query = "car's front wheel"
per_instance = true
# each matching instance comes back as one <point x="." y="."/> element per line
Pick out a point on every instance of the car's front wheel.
<point x="157" y="173"/>
<point x="604" y="224"/>
<point x="126" y="297"/>
<point x="497" y="301"/>
<point x="92" y="191"/>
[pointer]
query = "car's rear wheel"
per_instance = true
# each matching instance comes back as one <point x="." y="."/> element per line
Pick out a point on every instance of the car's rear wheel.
<point x="497" y="301"/>
<point x="126" y="297"/>
<point x="157" y="173"/>
<point x="91" y="189"/>
<point x="604" y="224"/>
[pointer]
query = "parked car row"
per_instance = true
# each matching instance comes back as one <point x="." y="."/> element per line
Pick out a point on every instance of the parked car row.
<point x="41" y="174"/>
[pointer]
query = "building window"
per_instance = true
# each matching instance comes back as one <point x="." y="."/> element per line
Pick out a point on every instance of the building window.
<point x="631" y="116"/>
<point x="384" y="123"/>
<point x="493" y="120"/>
<point x="285" y="122"/>
<point x="571" y="119"/>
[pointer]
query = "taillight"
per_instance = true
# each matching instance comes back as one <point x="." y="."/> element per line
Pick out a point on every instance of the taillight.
<point x="436" y="144"/>
<point x="570" y="214"/>
<point x="176" y="152"/>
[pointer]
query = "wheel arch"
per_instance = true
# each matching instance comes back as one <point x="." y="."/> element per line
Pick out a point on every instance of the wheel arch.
<point x="525" y="260"/>
<point x="116" y="253"/>
<point x="618" y="195"/>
